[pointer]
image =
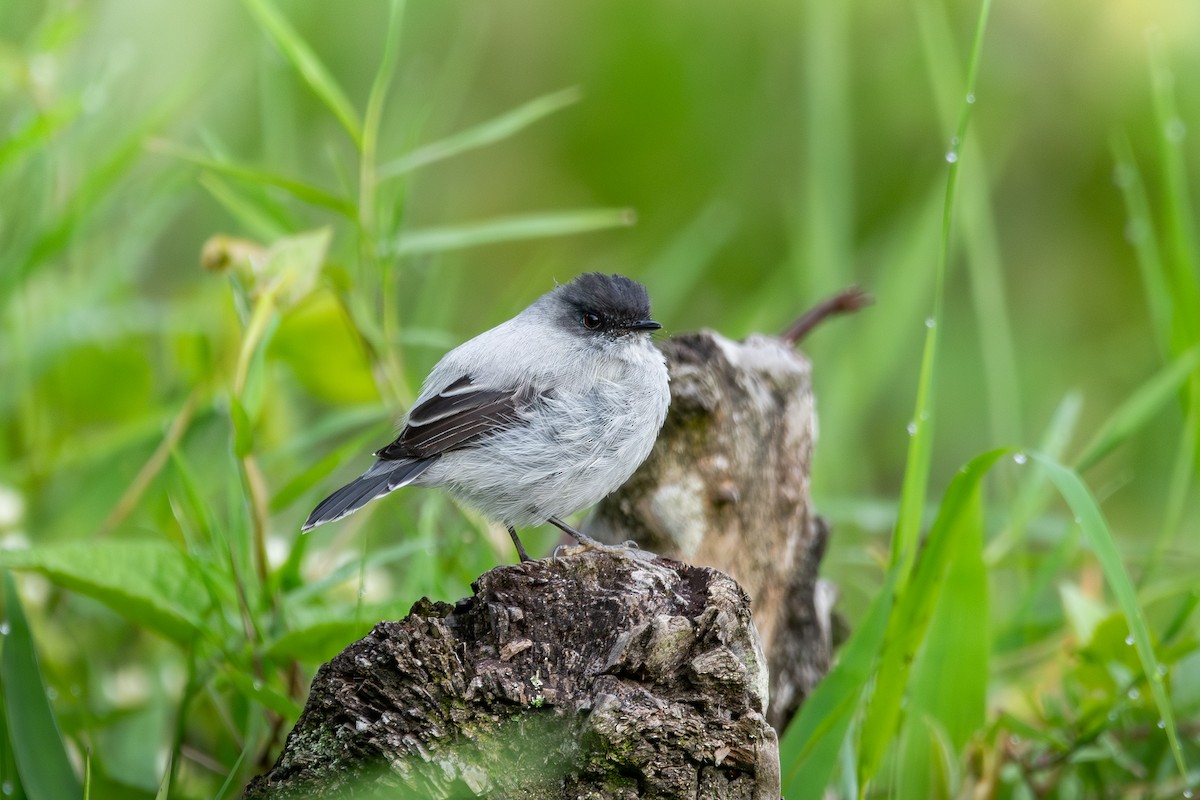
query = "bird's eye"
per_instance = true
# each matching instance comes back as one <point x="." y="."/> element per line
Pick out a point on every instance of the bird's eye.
<point x="591" y="320"/>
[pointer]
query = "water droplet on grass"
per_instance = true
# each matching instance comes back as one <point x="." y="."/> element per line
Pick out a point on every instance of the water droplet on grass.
<point x="952" y="156"/>
<point x="912" y="429"/>
<point x="1020" y="458"/>
<point x="970" y="98"/>
<point x="1129" y="640"/>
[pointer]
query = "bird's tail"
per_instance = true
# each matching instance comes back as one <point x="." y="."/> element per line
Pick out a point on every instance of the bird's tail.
<point x="385" y="476"/>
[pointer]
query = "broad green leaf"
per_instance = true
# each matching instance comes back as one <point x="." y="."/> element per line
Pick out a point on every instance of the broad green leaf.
<point x="809" y="749"/>
<point x="259" y="692"/>
<point x="150" y="583"/>
<point x="41" y="757"/>
<point x="1091" y="521"/>
<point x="305" y="61"/>
<point x="481" y="135"/>
<point x="948" y="690"/>
<point x="959" y="519"/>
<point x="319" y="641"/>
<point x="508" y="229"/>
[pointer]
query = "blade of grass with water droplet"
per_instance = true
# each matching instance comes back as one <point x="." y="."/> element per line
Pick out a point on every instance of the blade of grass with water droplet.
<point x="38" y="748"/>
<point x="1096" y="531"/>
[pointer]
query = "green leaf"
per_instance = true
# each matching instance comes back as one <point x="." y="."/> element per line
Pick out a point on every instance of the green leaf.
<point x="481" y="135"/>
<point x="319" y="641"/>
<point x="150" y="583"/>
<point x="266" y="696"/>
<point x="1091" y="521"/>
<point x="293" y="264"/>
<point x="38" y="748"/>
<point x="305" y="61"/>
<point x="508" y="229"/>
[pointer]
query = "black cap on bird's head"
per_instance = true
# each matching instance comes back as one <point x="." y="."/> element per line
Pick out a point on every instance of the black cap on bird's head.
<point x="612" y="305"/>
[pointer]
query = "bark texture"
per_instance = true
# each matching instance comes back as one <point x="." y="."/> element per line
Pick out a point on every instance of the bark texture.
<point x="727" y="486"/>
<point x="594" y="675"/>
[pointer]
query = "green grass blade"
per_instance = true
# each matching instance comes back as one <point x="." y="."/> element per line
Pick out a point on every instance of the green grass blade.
<point x="1141" y="407"/>
<point x="33" y="135"/>
<point x="38" y="747"/>
<point x="368" y="176"/>
<point x="231" y="778"/>
<point x="916" y="470"/>
<point x="164" y="788"/>
<point x="485" y="133"/>
<point x="948" y="688"/>
<point x="958" y="519"/>
<point x="305" y="61"/>
<point x="1178" y="218"/>
<point x="977" y="227"/>
<point x="255" y="217"/>
<point x="509" y="229"/>
<point x="1145" y="244"/>
<point x="824" y="226"/>
<point x="809" y="749"/>
<point x="1096" y="531"/>
<point x="299" y="189"/>
<point x="1032" y="490"/>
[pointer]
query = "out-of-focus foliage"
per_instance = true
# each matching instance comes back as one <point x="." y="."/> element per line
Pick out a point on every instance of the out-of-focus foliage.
<point x="235" y="236"/>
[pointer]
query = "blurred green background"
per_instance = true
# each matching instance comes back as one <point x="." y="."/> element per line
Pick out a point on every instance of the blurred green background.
<point x="771" y="154"/>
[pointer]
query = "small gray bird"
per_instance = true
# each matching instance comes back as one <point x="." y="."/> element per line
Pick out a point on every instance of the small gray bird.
<point x="535" y="419"/>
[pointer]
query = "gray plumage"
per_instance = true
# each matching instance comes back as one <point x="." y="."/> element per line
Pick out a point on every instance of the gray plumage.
<point x="535" y="419"/>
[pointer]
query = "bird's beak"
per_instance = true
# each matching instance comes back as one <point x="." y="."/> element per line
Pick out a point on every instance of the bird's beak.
<point x="644" y="325"/>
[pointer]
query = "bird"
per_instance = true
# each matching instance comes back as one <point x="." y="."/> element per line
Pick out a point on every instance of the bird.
<point x="534" y="419"/>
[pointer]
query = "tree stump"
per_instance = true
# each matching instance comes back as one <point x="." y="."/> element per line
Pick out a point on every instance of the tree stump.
<point x="595" y="675"/>
<point x="727" y="486"/>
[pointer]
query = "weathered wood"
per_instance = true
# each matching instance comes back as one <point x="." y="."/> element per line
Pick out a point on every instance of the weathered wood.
<point x="727" y="486"/>
<point x="594" y="675"/>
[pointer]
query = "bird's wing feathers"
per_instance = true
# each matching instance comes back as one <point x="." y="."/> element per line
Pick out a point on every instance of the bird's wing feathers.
<point x="455" y="417"/>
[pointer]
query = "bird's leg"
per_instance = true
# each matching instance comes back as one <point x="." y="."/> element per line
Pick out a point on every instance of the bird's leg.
<point x="578" y="536"/>
<point x="520" y="547"/>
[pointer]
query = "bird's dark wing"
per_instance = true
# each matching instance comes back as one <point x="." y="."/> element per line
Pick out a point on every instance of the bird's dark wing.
<point x="455" y="417"/>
